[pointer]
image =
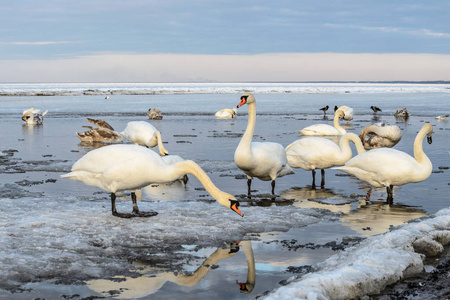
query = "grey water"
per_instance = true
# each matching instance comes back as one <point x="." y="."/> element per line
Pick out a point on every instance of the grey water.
<point x="60" y="240"/>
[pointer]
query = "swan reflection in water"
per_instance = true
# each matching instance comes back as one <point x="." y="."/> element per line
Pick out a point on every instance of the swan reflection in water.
<point x="364" y="216"/>
<point x="150" y="279"/>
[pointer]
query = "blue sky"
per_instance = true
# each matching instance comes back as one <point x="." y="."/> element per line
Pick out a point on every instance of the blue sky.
<point x="108" y="36"/>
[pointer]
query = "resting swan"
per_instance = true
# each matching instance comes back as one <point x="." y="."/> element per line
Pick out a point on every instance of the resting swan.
<point x="33" y="116"/>
<point x="348" y="112"/>
<point x="380" y="135"/>
<point x="313" y="153"/>
<point x="144" y="134"/>
<point x="226" y="113"/>
<point x="386" y="167"/>
<point x="103" y="133"/>
<point x="325" y="129"/>
<point x="265" y="161"/>
<point x="121" y="167"/>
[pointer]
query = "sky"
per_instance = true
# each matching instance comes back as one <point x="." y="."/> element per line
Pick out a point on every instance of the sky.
<point x="223" y="41"/>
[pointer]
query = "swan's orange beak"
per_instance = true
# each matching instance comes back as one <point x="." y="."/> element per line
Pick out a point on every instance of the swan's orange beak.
<point x="235" y="207"/>
<point x="243" y="101"/>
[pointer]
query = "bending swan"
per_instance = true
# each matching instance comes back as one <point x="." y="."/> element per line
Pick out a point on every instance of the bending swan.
<point x="380" y="135"/>
<point x="118" y="168"/>
<point x="386" y="167"/>
<point x="313" y="153"/>
<point x="265" y="161"/>
<point x="144" y="134"/>
<point x="325" y="129"/>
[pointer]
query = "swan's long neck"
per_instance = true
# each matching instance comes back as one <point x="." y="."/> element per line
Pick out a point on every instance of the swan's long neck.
<point x="161" y="148"/>
<point x="336" y="123"/>
<point x="419" y="155"/>
<point x="246" y="140"/>
<point x="190" y="167"/>
<point x="248" y="135"/>
<point x="344" y="143"/>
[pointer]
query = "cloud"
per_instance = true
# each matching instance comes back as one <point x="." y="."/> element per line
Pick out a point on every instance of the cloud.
<point x="116" y="67"/>
<point x="41" y="43"/>
<point x="423" y="32"/>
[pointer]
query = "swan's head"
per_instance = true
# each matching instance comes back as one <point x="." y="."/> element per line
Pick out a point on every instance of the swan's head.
<point x="229" y="201"/>
<point x="429" y="129"/>
<point x="340" y="114"/>
<point x="27" y="116"/>
<point x="246" y="98"/>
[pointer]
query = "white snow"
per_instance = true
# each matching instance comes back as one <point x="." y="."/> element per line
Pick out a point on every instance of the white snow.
<point x="377" y="262"/>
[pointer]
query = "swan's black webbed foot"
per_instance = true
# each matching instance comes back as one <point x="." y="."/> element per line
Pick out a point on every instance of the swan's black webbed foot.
<point x="123" y="215"/>
<point x="144" y="214"/>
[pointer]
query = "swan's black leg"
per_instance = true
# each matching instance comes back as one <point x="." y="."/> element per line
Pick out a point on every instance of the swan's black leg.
<point x="322" y="183"/>
<point x="135" y="207"/>
<point x="390" y="196"/>
<point x="113" y="208"/>
<point x="113" y="204"/>
<point x="136" y="212"/>
<point x="369" y="192"/>
<point x="249" y="185"/>
<point x="314" y="179"/>
<point x="273" y="187"/>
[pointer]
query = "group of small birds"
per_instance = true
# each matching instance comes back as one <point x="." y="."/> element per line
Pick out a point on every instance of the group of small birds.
<point x="120" y="167"/>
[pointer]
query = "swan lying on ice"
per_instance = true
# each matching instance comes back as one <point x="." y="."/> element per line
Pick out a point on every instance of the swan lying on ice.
<point x="103" y="132"/>
<point x="380" y="135"/>
<point x="121" y="167"/>
<point x="33" y="116"/>
<point x="154" y="114"/>
<point x="226" y="113"/>
<point x="386" y="167"/>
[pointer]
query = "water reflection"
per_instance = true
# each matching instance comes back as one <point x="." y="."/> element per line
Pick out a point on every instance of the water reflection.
<point x="320" y="198"/>
<point x="172" y="191"/>
<point x="31" y="129"/>
<point x="367" y="218"/>
<point x="375" y="217"/>
<point x="148" y="280"/>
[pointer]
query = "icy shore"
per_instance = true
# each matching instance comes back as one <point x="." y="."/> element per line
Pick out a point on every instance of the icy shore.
<point x="376" y="263"/>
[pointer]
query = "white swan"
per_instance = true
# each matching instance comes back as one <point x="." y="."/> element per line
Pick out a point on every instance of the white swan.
<point x="102" y="133"/>
<point x="121" y="167"/>
<point x="380" y="135"/>
<point x="386" y="167"/>
<point x="144" y="134"/>
<point x="265" y="161"/>
<point x="313" y="153"/>
<point x="33" y="116"/>
<point x="325" y="129"/>
<point x="226" y="113"/>
<point x="348" y="112"/>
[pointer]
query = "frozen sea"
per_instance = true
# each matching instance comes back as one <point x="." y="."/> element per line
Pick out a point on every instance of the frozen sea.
<point x="59" y="239"/>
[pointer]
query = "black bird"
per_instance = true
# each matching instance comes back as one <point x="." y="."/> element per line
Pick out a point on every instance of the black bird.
<point x="375" y="109"/>
<point x="335" y="108"/>
<point x="324" y="109"/>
